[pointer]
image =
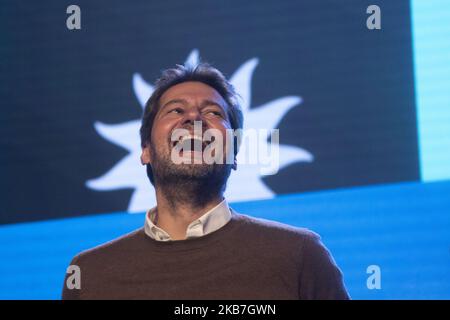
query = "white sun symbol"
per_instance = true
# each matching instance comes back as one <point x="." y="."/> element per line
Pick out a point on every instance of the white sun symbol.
<point x="242" y="185"/>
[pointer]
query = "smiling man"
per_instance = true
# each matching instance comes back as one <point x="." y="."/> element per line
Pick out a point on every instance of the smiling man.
<point x="193" y="245"/>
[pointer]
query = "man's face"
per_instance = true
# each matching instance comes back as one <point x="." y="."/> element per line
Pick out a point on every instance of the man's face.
<point x="180" y="107"/>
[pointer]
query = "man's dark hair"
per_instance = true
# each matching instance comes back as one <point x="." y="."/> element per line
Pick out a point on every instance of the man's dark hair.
<point x="202" y="72"/>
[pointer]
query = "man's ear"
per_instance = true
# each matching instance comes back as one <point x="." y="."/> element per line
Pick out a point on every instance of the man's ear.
<point x="145" y="155"/>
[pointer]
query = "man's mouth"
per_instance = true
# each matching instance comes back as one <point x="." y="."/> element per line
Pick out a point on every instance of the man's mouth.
<point x="192" y="143"/>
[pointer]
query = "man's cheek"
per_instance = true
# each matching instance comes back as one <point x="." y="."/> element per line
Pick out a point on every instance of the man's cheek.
<point x="160" y="138"/>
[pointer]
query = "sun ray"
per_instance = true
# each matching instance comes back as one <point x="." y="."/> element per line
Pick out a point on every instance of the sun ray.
<point x="241" y="80"/>
<point x="118" y="177"/>
<point x="142" y="89"/>
<point x="270" y="114"/>
<point x="290" y="155"/>
<point x="125" y="134"/>
<point x="193" y="58"/>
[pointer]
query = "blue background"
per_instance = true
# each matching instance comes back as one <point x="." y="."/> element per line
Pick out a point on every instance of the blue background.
<point x="401" y="228"/>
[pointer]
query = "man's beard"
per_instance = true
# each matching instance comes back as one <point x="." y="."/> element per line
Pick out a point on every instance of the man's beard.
<point x="188" y="182"/>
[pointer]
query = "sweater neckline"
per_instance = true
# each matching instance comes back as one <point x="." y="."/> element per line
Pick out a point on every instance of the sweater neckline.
<point x="195" y="243"/>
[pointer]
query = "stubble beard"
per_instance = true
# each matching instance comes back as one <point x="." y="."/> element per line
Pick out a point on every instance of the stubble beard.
<point x="188" y="182"/>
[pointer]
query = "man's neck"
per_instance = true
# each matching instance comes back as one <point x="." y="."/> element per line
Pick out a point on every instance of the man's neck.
<point x="176" y="213"/>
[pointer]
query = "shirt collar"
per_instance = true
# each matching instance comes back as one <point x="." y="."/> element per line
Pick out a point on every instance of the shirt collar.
<point x="209" y="222"/>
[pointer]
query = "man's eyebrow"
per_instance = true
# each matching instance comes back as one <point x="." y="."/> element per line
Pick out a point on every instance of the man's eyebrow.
<point x="173" y="101"/>
<point x="207" y="102"/>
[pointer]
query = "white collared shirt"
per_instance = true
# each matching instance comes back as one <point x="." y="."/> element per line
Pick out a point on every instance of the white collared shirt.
<point x="209" y="222"/>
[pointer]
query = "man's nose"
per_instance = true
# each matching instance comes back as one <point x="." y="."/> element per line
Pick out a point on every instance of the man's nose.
<point x="192" y="115"/>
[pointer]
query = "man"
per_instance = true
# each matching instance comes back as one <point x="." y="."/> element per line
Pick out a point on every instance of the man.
<point x="193" y="245"/>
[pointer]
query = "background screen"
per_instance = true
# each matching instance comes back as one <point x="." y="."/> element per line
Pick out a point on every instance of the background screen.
<point x="364" y="120"/>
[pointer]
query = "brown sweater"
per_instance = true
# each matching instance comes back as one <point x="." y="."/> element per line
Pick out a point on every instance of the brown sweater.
<point x="248" y="258"/>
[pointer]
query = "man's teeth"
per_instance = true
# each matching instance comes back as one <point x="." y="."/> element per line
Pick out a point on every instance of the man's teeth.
<point x="190" y="142"/>
<point x="190" y="137"/>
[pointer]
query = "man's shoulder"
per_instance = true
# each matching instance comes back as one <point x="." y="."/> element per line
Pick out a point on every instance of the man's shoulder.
<point x="274" y="229"/>
<point x="120" y="246"/>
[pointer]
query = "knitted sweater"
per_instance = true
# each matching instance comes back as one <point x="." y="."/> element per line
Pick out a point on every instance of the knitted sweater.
<point x="248" y="258"/>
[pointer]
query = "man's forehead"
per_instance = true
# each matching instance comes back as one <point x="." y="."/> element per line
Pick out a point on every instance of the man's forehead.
<point x="192" y="90"/>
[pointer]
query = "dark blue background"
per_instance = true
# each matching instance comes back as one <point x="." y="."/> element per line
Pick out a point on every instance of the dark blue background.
<point x="357" y="118"/>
